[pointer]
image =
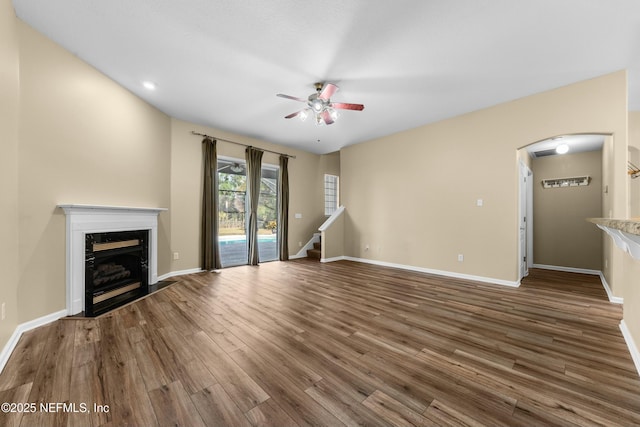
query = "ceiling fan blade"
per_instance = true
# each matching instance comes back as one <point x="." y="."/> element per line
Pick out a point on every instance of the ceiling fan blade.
<point x="292" y="115"/>
<point x="281" y="95"/>
<point x="327" y="91"/>
<point x="346" y="106"/>
<point x="326" y="116"/>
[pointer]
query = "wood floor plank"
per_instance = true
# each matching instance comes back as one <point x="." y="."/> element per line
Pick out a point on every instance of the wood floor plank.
<point x="298" y="405"/>
<point x="53" y="378"/>
<point x="83" y="392"/>
<point x="173" y="407"/>
<point x="304" y="343"/>
<point x="23" y="365"/>
<point x="296" y="372"/>
<point x="270" y="414"/>
<point x="242" y="388"/>
<point x="218" y="409"/>
<point x="125" y="394"/>
<point x="12" y="417"/>
<point x="339" y="403"/>
<point x="442" y="414"/>
<point x="393" y="411"/>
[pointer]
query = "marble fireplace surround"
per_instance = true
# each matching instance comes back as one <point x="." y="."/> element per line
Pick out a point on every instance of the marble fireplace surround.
<point x="86" y="219"/>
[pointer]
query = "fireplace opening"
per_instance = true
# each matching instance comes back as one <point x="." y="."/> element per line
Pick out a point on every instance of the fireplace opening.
<point x="116" y="269"/>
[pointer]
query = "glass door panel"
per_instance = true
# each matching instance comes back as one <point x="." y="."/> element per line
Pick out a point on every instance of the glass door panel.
<point x="232" y="191"/>
<point x="268" y="215"/>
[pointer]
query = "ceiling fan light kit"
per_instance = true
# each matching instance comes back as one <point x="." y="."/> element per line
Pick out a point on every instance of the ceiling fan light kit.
<point x="320" y="106"/>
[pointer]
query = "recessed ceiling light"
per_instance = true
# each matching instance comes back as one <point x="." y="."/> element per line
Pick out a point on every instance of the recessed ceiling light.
<point x="562" y="149"/>
<point x="149" y="85"/>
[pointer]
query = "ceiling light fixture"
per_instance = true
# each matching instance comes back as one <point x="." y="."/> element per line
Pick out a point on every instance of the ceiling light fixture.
<point x="320" y="106"/>
<point x="149" y="85"/>
<point x="562" y="149"/>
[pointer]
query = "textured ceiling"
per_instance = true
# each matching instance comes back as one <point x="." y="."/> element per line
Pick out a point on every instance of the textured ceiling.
<point x="411" y="62"/>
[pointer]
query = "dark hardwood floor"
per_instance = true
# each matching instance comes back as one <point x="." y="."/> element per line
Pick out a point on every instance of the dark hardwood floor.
<point x="303" y="343"/>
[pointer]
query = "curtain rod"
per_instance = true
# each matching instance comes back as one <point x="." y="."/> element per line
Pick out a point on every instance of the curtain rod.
<point x="240" y="143"/>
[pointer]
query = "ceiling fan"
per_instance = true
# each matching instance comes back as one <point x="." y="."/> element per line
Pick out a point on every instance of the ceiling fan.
<point x="319" y="104"/>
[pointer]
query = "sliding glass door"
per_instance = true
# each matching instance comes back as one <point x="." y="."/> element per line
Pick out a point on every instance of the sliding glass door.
<point x="232" y="194"/>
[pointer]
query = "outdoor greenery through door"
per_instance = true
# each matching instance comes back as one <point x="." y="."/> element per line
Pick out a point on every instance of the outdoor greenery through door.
<point x="232" y="215"/>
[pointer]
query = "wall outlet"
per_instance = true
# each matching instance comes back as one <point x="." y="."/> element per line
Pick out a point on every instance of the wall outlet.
<point x="299" y="244"/>
<point x="479" y="202"/>
<point x="298" y="215"/>
<point x="3" y="311"/>
<point x="176" y="255"/>
<point x="460" y="257"/>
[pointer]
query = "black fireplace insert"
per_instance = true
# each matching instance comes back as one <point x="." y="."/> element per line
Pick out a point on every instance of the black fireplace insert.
<point x="116" y="269"/>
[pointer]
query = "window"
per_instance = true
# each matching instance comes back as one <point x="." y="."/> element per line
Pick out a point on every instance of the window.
<point x="330" y="194"/>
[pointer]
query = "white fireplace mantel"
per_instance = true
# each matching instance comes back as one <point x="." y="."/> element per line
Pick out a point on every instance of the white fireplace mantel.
<point x="86" y="219"/>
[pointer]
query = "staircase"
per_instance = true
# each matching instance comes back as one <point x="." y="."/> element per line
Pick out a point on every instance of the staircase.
<point x="316" y="252"/>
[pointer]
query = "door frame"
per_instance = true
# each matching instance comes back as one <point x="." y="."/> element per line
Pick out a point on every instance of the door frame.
<point x="525" y="220"/>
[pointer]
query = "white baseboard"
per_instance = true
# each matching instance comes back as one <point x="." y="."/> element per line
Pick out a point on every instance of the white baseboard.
<point x="437" y="272"/>
<point x="337" y="258"/>
<point x="567" y="269"/>
<point x="21" y="329"/>
<point x="612" y="298"/>
<point x="633" y="348"/>
<point x="179" y="273"/>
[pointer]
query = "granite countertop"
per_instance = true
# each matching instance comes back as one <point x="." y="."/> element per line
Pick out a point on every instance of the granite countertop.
<point x="631" y="226"/>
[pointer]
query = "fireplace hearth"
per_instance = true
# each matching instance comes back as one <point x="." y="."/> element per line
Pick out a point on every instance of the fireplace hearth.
<point x="116" y="269"/>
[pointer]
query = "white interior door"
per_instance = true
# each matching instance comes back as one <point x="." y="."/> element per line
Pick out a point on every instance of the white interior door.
<point x="522" y="220"/>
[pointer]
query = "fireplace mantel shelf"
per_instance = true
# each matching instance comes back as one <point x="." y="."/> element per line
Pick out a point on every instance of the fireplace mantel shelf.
<point x="72" y="208"/>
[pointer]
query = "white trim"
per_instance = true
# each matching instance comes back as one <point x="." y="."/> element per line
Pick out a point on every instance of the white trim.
<point x="22" y="328"/>
<point x="633" y="348"/>
<point x="437" y="272"/>
<point x="337" y="258"/>
<point x="567" y="269"/>
<point x="332" y="218"/>
<point x="179" y="273"/>
<point x="612" y="298"/>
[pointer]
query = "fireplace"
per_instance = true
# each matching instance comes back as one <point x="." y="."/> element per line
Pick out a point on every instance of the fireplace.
<point x="105" y="224"/>
<point x="116" y="269"/>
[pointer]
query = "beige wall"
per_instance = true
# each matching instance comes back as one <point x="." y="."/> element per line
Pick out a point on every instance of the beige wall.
<point x="9" y="107"/>
<point x="631" y="268"/>
<point x="412" y="196"/>
<point x="333" y="239"/>
<point x="634" y="157"/>
<point x="561" y="234"/>
<point x="306" y="173"/>
<point x="330" y="163"/>
<point x="83" y="139"/>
